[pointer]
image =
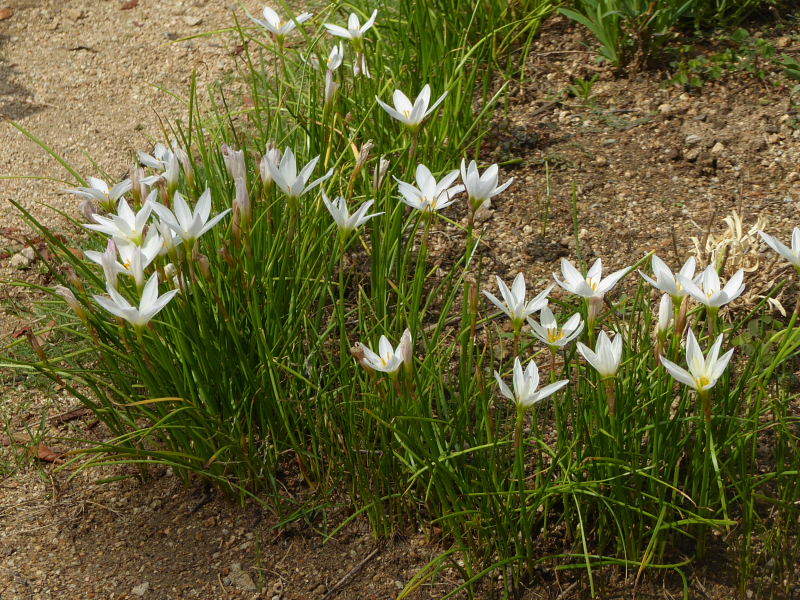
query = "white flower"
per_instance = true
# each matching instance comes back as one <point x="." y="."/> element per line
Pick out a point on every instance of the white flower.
<point x="342" y="217"/>
<point x="548" y="331"/>
<point x="286" y="177"/>
<point x="126" y="224"/>
<point x="169" y="239"/>
<point x="525" y="383"/>
<point x="273" y="23"/>
<point x="336" y="57"/>
<point x="135" y="259"/>
<point x="514" y="303"/>
<point x="188" y="225"/>
<point x="607" y="355"/>
<point x="388" y="359"/>
<point x="234" y="162"/>
<point x="411" y="114"/>
<point x="429" y="195"/>
<point x="481" y="188"/>
<point x="100" y="191"/>
<point x="167" y="164"/>
<point x="355" y="30"/>
<point x="107" y="260"/>
<point x="791" y="254"/>
<point x="666" y="281"/>
<point x="159" y="159"/>
<point x="593" y="285"/>
<point x="707" y="290"/>
<point x="665" y="313"/>
<point x="150" y="303"/>
<point x="703" y="371"/>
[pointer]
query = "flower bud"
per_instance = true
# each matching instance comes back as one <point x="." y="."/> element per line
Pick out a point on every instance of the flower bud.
<point x="186" y="164"/>
<point x="380" y="173"/>
<point x="71" y="300"/>
<point x="234" y="162"/>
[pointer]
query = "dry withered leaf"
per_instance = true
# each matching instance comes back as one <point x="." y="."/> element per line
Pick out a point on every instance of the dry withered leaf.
<point x="47" y="454"/>
<point x="6" y="13"/>
<point x="129" y="4"/>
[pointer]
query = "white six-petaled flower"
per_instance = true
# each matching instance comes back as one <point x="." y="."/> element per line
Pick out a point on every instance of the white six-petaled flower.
<point x="791" y="254"/>
<point x="707" y="288"/>
<point x="607" y="355"/>
<point x="187" y="224"/>
<point x="593" y="285"/>
<point x="481" y="188"/>
<point x="284" y="173"/>
<point x="429" y="195"/>
<point x="666" y="281"/>
<point x="548" y="332"/>
<point x="150" y="304"/>
<point x="341" y="214"/>
<point x="410" y="114"/>
<point x="387" y="359"/>
<point x="704" y="371"/>
<point x="514" y="304"/>
<point x="125" y="224"/>
<point x="525" y="383"/>
<point x="98" y="190"/>
<point x="273" y="22"/>
<point x="355" y="30"/>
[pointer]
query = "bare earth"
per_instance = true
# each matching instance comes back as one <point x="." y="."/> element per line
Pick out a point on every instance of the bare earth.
<point x="653" y="166"/>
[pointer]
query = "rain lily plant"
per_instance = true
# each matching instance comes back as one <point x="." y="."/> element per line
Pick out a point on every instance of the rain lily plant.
<point x="481" y="188"/>
<point x="703" y="371"/>
<point x="289" y="181"/>
<point x="186" y="224"/>
<point x="278" y="27"/>
<point x="429" y="195"/>
<point x="387" y="359"/>
<point x="514" y="303"/>
<point x="411" y="115"/>
<point x="107" y="197"/>
<point x="346" y="222"/>
<point x="666" y="281"/>
<point x="790" y="254"/>
<point x="547" y="330"/>
<point x="149" y="306"/>
<point x="592" y="287"/>
<point x="525" y="384"/>
<point x="125" y="225"/>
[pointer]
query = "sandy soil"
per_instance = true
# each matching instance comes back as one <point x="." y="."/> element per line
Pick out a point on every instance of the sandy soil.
<point x="652" y="165"/>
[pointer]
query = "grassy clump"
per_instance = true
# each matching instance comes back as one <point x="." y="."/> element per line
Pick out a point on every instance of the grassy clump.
<point x="254" y="369"/>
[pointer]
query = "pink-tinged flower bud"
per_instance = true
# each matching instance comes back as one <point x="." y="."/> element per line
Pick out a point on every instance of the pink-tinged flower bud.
<point x="234" y="162"/>
<point x="71" y="300"/>
<point x="138" y="187"/>
<point x="88" y="208"/>
<point x="380" y="173"/>
<point x="406" y="350"/>
<point x="272" y="155"/>
<point x="186" y="164"/>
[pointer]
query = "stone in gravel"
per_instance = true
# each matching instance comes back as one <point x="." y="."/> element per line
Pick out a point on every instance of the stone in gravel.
<point x="241" y="579"/>
<point x="665" y="108"/>
<point x="718" y="148"/>
<point x="192" y="21"/>
<point x="692" y="154"/>
<point x="693" y="140"/>
<point x="141" y="589"/>
<point x="22" y="259"/>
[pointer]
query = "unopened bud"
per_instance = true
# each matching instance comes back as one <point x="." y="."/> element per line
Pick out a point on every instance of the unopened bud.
<point x="665" y="313"/>
<point x="380" y="173"/>
<point x="71" y="300"/>
<point x="186" y="164"/>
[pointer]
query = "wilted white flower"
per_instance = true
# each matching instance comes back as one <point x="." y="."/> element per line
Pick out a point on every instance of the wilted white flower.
<point x="286" y="177"/>
<point x="342" y="217"/>
<point x="126" y="224"/>
<point x="410" y="114"/>
<point x="525" y="383"/>
<point x="234" y="162"/>
<point x="548" y="331"/>
<point x="429" y="195"/>
<point x="72" y="301"/>
<point x="707" y="289"/>
<point x="150" y="303"/>
<point x="273" y="23"/>
<point x="355" y="30"/>
<point x="668" y="282"/>
<point x="704" y="371"/>
<point x="607" y="355"/>
<point x="791" y="254"/>
<point x="481" y="188"/>
<point x="514" y="304"/>
<point x="331" y="86"/>
<point x="187" y="224"/>
<point x="99" y="191"/>
<point x="388" y="359"/>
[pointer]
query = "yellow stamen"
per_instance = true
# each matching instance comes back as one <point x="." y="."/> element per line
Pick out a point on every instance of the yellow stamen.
<point x="554" y="335"/>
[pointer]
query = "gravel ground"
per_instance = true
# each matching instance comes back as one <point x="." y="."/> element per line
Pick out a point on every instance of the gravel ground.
<point x="652" y="166"/>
